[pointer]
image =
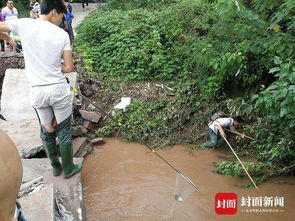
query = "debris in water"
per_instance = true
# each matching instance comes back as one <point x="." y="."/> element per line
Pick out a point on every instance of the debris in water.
<point x="178" y="198"/>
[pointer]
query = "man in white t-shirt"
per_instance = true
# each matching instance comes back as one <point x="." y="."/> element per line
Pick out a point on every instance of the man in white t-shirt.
<point x="216" y="132"/>
<point x="50" y="93"/>
<point x="9" y="12"/>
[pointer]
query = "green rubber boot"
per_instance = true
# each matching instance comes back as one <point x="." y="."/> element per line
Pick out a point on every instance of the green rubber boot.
<point x="69" y="167"/>
<point x="49" y="144"/>
<point x="64" y="134"/>
<point x="208" y="144"/>
<point x="51" y="152"/>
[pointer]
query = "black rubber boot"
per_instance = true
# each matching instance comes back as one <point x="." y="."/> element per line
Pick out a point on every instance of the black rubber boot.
<point x="49" y="143"/>
<point x="64" y="134"/>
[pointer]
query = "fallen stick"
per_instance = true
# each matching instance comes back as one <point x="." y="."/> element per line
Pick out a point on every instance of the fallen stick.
<point x="30" y="183"/>
<point x="240" y="162"/>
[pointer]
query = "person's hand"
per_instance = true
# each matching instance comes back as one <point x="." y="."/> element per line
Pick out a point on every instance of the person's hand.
<point x="222" y="133"/>
<point x="12" y="43"/>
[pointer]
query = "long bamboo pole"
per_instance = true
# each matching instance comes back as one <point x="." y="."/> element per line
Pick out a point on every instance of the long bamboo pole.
<point x="240" y="162"/>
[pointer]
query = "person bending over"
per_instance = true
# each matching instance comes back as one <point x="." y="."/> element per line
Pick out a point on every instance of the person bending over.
<point x="216" y="129"/>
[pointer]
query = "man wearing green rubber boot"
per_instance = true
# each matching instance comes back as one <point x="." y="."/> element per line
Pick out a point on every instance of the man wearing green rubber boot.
<point x="216" y="132"/>
<point x="50" y="92"/>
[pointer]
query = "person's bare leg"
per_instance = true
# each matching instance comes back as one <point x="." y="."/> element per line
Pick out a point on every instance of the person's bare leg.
<point x="48" y="127"/>
<point x="11" y="176"/>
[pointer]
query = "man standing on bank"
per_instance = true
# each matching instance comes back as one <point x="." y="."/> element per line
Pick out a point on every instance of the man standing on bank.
<point x="84" y="2"/>
<point x="50" y="92"/>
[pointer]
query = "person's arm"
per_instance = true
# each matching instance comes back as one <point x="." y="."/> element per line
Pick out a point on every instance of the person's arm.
<point x="34" y="15"/>
<point x="5" y="28"/>
<point x="233" y="128"/>
<point x="68" y="65"/>
<point x="219" y="127"/>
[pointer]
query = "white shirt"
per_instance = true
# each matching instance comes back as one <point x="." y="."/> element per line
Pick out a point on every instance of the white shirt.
<point x="43" y="45"/>
<point x="224" y="122"/>
<point x="9" y="14"/>
<point x="36" y="9"/>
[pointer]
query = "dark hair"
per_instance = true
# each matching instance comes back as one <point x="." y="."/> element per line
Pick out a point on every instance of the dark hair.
<point x="48" y="5"/>
<point x="238" y="119"/>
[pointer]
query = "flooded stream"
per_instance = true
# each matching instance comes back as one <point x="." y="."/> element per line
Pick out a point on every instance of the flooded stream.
<point x="125" y="181"/>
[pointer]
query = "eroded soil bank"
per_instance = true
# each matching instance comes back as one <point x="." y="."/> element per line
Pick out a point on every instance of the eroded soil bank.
<point x="125" y="181"/>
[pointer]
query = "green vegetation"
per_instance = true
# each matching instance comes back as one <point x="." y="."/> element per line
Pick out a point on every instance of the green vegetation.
<point x="230" y="55"/>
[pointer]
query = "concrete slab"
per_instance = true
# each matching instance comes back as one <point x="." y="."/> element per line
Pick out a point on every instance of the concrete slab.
<point x="39" y="205"/>
<point x="37" y="167"/>
<point x="25" y="134"/>
<point x="15" y="99"/>
<point x="70" y="190"/>
<point x="34" y="168"/>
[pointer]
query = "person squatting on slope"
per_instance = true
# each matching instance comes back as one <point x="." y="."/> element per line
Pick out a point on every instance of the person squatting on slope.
<point x="50" y="92"/>
<point x="216" y="132"/>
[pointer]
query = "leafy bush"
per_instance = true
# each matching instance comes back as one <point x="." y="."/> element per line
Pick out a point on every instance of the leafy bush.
<point x="134" y="4"/>
<point x="271" y="40"/>
<point x="235" y="168"/>
<point x="143" y="122"/>
<point x="126" y="44"/>
<point x="169" y="44"/>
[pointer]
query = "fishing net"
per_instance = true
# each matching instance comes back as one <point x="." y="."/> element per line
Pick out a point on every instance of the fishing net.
<point x="183" y="187"/>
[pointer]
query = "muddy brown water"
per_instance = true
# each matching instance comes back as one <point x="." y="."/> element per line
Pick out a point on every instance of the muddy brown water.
<point x="124" y="181"/>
